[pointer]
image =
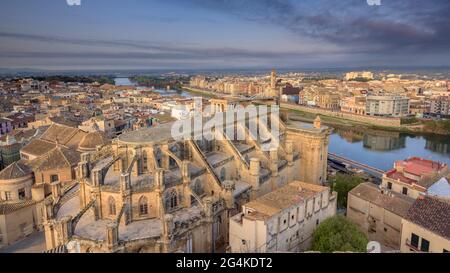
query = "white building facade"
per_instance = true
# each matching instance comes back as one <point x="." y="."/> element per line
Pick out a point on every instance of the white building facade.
<point x="283" y="220"/>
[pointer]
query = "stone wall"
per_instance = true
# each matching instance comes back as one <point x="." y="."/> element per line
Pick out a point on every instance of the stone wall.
<point x="379" y="121"/>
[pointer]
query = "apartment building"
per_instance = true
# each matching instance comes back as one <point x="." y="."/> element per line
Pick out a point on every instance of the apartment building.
<point x="440" y="106"/>
<point x="387" y="105"/>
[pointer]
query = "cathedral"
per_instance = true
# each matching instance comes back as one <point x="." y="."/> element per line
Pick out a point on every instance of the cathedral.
<point x="147" y="192"/>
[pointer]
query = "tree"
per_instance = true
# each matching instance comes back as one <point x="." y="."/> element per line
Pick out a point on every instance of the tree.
<point x="342" y="184"/>
<point x="339" y="234"/>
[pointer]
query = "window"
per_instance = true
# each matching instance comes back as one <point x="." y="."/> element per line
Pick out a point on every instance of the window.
<point x="22" y="194"/>
<point x="405" y="191"/>
<point x="373" y="225"/>
<point x="171" y="200"/>
<point x="425" y="245"/>
<point x="112" y="206"/>
<point x="197" y="187"/>
<point x="54" y="178"/>
<point x="189" y="244"/>
<point x="145" y="161"/>
<point x="8" y="196"/>
<point x="143" y="206"/>
<point x="317" y="222"/>
<point x="223" y="174"/>
<point x="414" y="240"/>
<point x="389" y="186"/>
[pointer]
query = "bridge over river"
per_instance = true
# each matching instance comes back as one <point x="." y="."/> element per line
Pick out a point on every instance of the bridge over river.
<point x="369" y="169"/>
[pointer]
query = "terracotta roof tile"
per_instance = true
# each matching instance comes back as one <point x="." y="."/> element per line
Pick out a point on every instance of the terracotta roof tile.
<point x="38" y="147"/>
<point x="394" y="202"/>
<point x="59" y="157"/>
<point x="431" y="213"/>
<point x="92" y="140"/>
<point x="284" y="197"/>
<point x="59" y="132"/>
<point x="13" y="171"/>
<point x="6" y="208"/>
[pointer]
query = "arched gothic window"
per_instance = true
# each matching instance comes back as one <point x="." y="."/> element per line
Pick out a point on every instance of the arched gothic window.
<point x="171" y="200"/>
<point x="143" y="206"/>
<point x="112" y="206"/>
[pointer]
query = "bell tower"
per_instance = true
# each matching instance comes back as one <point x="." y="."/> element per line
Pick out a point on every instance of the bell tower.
<point x="273" y="79"/>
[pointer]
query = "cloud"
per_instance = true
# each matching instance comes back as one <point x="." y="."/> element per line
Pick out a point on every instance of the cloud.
<point x="326" y="32"/>
<point x="412" y="25"/>
<point x="143" y="49"/>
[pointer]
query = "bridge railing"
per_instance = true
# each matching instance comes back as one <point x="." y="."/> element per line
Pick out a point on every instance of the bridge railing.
<point x="362" y="165"/>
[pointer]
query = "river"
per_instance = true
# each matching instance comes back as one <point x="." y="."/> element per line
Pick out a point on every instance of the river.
<point x="121" y="81"/>
<point x="381" y="149"/>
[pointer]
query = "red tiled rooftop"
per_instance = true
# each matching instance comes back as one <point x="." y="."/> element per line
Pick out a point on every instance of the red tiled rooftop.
<point x="399" y="176"/>
<point x="418" y="166"/>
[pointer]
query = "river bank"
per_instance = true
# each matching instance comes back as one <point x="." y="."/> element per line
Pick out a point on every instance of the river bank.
<point x="411" y="129"/>
<point x="208" y="94"/>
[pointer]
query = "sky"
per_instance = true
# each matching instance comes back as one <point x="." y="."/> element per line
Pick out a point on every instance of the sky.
<point x="223" y="34"/>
